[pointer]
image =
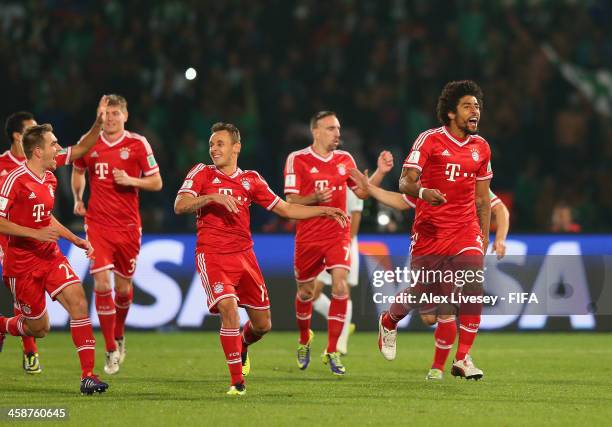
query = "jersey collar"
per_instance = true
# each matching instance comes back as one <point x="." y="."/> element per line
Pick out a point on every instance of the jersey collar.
<point x="112" y="144"/>
<point x="323" y="159"/>
<point x="15" y="159"/>
<point x="237" y="172"/>
<point x="455" y="140"/>
<point x="33" y="175"/>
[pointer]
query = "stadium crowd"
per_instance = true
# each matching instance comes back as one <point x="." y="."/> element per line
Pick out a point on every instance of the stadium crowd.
<point x="267" y="66"/>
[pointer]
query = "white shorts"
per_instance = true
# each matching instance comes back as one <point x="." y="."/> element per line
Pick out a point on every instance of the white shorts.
<point x="353" y="276"/>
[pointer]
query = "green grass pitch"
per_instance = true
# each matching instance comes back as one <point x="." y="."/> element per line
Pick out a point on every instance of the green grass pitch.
<point x="179" y="378"/>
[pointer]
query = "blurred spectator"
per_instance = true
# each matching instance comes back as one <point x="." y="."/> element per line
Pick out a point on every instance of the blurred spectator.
<point x="562" y="219"/>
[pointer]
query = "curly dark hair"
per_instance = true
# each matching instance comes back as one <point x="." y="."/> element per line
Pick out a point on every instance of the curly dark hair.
<point x="452" y="93"/>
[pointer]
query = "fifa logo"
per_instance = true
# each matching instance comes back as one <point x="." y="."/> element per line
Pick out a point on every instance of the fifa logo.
<point x="452" y="171"/>
<point x="321" y="184"/>
<point x="101" y="170"/>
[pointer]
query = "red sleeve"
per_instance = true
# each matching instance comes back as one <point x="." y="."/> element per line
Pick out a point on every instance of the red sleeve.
<point x="8" y="193"/>
<point x="410" y="201"/>
<point x="292" y="175"/>
<point x="262" y="194"/>
<point x="63" y="157"/>
<point x="351" y="165"/>
<point x="485" y="171"/>
<point x="193" y="181"/>
<point x="419" y="153"/>
<point x="146" y="159"/>
<point x="80" y="163"/>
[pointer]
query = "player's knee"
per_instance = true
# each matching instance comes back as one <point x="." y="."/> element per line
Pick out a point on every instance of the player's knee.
<point x="305" y="293"/>
<point x="78" y="308"/>
<point x="429" y="319"/>
<point x="39" y="330"/>
<point x="102" y="284"/>
<point x="123" y="287"/>
<point x="262" y="327"/>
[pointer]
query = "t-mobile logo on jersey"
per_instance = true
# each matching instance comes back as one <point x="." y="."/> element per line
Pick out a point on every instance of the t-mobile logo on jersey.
<point x="452" y="171"/>
<point x="38" y="211"/>
<point x="101" y="170"/>
<point x="226" y="191"/>
<point x="321" y="184"/>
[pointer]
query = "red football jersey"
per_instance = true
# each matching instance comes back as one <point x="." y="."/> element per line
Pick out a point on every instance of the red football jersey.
<point x="110" y="204"/>
<point x="27" y="200"/>
<point x="306" y="171"/>
<point x="8" y="162"/>
<point x="453" y="167"/>
<point x="220" y="231"/>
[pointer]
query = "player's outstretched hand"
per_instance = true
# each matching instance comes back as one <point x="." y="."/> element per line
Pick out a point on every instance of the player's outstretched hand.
<point x="499" y="248"/>
<point x="361" y="179"/>
<point x="230" y="202"/>
<point x="385" y="162"/>
<point x="84" y="244"/>
<point x="324" y="196"/>
<point x="101" y="111"/>
<point x="433" y="196"/>
<point x="79" y="208"/>
<point x="121" y="177"/>
<point x="47" y="234"/>
<point x="336" y="214"/>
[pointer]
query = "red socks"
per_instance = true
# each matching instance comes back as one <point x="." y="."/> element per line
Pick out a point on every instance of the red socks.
<point x="29" y="343"/>
<point x="13" y="326"/>
<point x="122" y="305"/>
<point x="105" y="306"/>
<point x="445" y="334"/>
<point x="388" y="322"/>
<point x="303" y="313"/>
<point x="469" y="324"/>
<point x="335" y="321"/>
<point x="248" y="336"/>
<point x="84" y="341"/>
<point x="231" y="343"/>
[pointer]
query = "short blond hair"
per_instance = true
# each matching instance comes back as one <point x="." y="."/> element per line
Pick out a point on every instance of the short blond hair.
<point x="117" y="100"/>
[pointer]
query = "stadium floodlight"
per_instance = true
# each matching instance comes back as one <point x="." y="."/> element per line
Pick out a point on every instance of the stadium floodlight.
<point x="190" y="73"/>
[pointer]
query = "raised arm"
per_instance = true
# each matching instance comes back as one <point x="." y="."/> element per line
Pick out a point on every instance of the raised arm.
<point x="90" y="138"/>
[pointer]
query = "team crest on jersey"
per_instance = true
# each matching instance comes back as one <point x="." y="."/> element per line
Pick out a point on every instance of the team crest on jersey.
<point x="51" y="190"/>
<point x="124" y="153"/>
<point x="25" y="309"/>
<point x="246" y="184"/>
<point x="218" y="288"/>
<point x="475" y="155"/>
<point x="342" y="169"/>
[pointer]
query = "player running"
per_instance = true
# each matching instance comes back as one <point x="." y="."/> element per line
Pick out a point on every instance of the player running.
<point x="321" y="302"/>
<point x="221" y="195"/>
<point x="448" y="169"/>
<point x="443" y="340"/>
<point x="120" y="165"/>
<point x="15" y="126"/>
<point x="33" y="262"/>
<point x="319" y="175"/>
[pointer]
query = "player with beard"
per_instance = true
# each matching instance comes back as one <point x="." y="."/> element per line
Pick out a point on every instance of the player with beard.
<point x="449" y="171"/>
<point x="319" y="175"/>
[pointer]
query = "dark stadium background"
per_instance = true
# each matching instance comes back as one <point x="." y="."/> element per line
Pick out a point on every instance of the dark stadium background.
<point x="545" y="68"/>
